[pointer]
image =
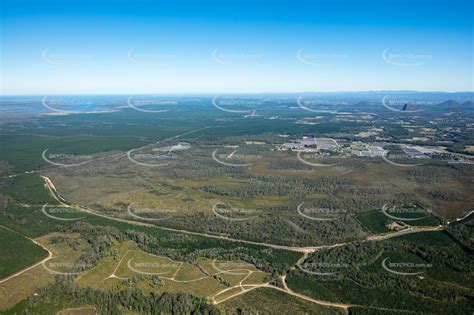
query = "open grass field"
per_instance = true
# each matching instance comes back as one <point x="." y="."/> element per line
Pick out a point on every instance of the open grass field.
<point x="62" y="262"/>
<point x="19" y="288"/>
<point x="65" y="258"/>
<point x="206" y="278"/>
<point x="99" y="277"/>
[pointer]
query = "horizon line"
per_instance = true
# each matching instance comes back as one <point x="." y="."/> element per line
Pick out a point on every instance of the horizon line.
<point x="232" y="93"/>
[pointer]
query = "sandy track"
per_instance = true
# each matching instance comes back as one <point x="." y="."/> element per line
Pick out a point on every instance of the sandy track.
<point x="50" y="255"/>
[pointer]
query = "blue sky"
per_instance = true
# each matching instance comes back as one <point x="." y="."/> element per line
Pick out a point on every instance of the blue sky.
<point x="103" y="47"/>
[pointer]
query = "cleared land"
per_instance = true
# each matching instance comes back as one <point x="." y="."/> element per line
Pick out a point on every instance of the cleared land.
<point x="206" y="278"/>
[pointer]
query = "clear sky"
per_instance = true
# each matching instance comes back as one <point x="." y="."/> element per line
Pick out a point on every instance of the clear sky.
<point x="134" y="46"/>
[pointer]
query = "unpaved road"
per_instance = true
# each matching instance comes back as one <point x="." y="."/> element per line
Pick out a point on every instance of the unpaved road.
<point x="305" y="249"/>
<point x="50" y="255"/>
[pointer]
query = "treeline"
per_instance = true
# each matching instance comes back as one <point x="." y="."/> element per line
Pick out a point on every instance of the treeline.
<point x="360" y="264"/>
<point x="177" y="247"/>
<point x="277" y="225"/>
<point x="63" y="293"/>
<point x="463" y="232"/>
<point x="259" y="186"/>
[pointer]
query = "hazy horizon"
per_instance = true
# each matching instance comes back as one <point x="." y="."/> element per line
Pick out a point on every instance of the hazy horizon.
<point x="239" y="93"/>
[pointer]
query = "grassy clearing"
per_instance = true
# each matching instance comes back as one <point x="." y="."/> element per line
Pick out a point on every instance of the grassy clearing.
<point x="65" y="258"/>
<point x="376" y="222"/>
<point x="199" y="279"/>
<point x="22" y="286"/>
<point x="146" y="263"/>
<point x="18" y="288"/>
<point x="227" y="294"/>
<point x="85" y="310"/>
<point x="99" y="276"/>
<point x="257" y="277"/>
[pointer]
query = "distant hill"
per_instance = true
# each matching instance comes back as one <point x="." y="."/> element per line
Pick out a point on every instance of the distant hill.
<point x="449" y="103"/>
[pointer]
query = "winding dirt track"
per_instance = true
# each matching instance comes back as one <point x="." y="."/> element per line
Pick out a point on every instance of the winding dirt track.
<point x="285" y="289"/>
<point x="305" y="250"/>
<point x="67" y="204"/>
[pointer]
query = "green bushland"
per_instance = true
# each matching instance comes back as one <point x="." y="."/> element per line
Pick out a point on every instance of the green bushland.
<point x="185" y="247"/>
<point x="64" y="294"/>
<point x="362" y="310"/>
<point x="25" y="195"/>
<point x="31" y="221"/>
<point x="444" y="285"/>
<point x="23" y="142"/>
<point x="17" y="252"/>
<point x="26" y="188"/>
<point x="463" y="232"/>
<point x="270" y="301"/>
<point x="376" y="222"/>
